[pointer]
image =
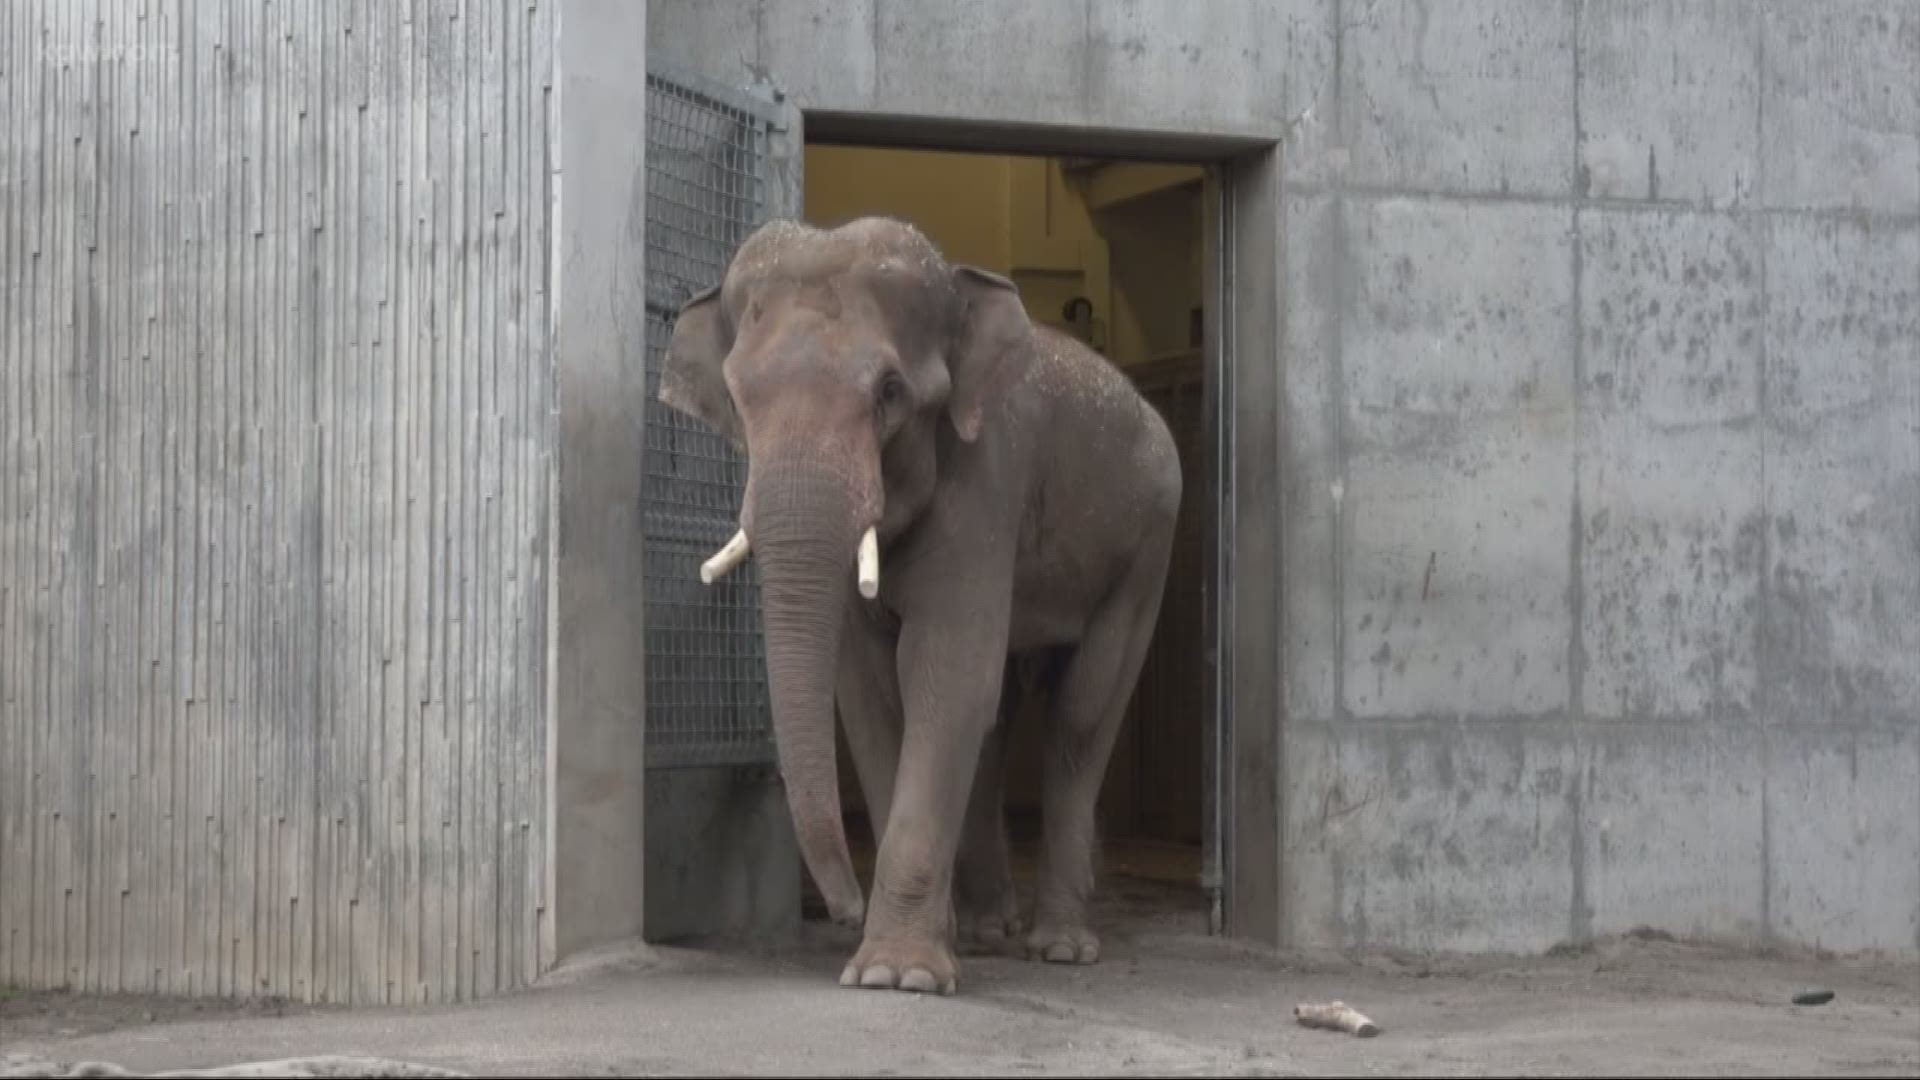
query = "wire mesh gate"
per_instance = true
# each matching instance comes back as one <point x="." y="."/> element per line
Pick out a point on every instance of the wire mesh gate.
<point x="708" y="186"/>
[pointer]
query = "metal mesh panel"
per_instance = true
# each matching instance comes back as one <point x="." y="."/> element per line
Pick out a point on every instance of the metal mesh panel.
<point x="706" y="672"/>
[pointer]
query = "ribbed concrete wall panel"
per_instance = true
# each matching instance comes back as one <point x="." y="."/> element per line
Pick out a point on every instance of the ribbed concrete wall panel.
<point x="276" y="433"/>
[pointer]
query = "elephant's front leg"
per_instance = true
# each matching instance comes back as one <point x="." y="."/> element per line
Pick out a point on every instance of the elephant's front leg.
<point x="868" y="696"/>
<point x="950" y="671"/>
<point x="983" y="874"/>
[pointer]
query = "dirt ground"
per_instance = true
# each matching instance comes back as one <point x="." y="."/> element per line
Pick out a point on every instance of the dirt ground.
<point x="1167" y="1000"/>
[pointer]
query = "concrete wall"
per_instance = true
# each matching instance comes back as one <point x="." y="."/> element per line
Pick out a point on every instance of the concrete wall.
<point x="275" y="445"/>
<point x="1605" y="322"/>
<point x="597" y="760"/>
<point x="1600" y="428"/>
<point x="721" y="859"/>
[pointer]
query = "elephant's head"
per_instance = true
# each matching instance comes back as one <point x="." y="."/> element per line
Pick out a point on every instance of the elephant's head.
<point x="838" y="360"/>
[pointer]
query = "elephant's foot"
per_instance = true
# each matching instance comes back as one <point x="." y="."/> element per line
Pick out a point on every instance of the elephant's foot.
<point x="1057" y="943"/>
<point x="984" y="901"/>
<point x="992" y="924"/>
<point x="921" y="967"/>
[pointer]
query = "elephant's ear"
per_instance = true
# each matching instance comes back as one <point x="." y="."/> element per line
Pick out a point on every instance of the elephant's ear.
<point x="991" y="336"/>
<point x="690" y="377"/>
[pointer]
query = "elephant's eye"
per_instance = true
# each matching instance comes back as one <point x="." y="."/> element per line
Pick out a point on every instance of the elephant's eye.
<point x="892" y="389"/>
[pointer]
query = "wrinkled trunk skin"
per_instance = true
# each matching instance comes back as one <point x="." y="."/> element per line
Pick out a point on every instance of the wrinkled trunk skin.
<point x="805" y="526"/>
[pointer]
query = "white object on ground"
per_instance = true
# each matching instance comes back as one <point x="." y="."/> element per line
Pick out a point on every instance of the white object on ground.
<point x="1336" y="1016"/>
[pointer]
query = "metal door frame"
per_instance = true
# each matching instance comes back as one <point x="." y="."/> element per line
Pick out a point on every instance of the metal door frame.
<point x="1242" y="761"/>
<point x="1243" y="756"/>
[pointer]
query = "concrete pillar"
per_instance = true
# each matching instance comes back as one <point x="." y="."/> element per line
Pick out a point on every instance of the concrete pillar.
<point x="596" y="750"/>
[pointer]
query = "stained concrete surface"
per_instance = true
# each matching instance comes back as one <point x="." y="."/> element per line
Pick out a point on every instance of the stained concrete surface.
<point x="1599" y="432"/>
<point x="1167" y="1001"/>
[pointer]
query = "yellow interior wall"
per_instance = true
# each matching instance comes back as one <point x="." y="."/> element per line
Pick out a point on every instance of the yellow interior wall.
<point x="1057" y="253"/>
<point x="1155" y="251"/>
<point x="1048" y="228"/>
<point x="959" y="200"/>
<point x="1013" y="215"/>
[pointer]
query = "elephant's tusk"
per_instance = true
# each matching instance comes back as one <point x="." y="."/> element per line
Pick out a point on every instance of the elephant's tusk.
<point x="723" y="563"/>
<point x="870" y="565"/>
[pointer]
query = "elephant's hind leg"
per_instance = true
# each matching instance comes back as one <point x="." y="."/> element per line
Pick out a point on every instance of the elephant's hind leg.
<point x="1085" y="719"/>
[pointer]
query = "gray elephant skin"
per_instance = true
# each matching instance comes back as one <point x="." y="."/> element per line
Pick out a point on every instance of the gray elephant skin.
<point x="937" y="489"/>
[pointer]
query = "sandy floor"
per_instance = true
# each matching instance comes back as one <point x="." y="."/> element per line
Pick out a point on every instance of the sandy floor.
<point x="1167" y="1000"/>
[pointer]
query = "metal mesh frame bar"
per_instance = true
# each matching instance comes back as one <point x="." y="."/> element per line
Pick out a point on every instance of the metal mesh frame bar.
<point x="707" y="163"/>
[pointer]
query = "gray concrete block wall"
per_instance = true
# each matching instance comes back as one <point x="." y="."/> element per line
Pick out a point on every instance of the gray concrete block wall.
<point x="1670" y="101"/>
<point x="1619" y="396"/>
<point x="1428" y="105"/>
<point x="1116" y="64"/>
<point x="1600" y="421"/>
<point x="721" y="859"/>
<point x="1455" y="453"/>
<point x="1671" y="320"/>
<point x="1840" y="111"/>
<point x="1843" y="487"/>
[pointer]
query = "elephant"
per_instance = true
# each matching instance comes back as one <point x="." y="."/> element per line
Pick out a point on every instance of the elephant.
<point x="900" y="411"/>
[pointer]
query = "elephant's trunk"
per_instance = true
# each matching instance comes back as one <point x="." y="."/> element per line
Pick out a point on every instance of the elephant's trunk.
<point x="805" y="520"/>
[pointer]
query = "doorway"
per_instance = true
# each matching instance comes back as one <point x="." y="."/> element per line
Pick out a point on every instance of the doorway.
<point x="1116" y="253"/>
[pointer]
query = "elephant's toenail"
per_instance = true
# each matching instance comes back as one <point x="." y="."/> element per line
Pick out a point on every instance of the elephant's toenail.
<point x="919" y="981"/>
<point x="880" y="976"/>
<point x="1060" y="953"/>
<point x="1090" y="954"/>
<point x="850" y="976"/>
